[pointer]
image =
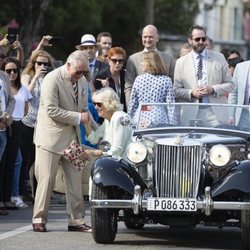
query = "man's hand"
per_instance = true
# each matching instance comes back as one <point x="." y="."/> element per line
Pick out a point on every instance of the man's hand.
<point x="84" y="117"/>
<point x="201" y="91"/>
<point x="206" y="90"/>
<point x="196" y="93"/>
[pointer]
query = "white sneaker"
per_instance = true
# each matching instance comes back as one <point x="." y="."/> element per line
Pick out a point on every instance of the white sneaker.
<point x="17" y="201"/>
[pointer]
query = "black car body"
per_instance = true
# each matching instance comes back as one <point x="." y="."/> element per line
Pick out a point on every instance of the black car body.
<point x="192" y="170"/>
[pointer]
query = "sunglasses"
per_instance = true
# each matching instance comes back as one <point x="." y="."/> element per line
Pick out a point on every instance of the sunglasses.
<point x="81" y="72"/>
<point x="117" y="61"/>
<point x="8" y="71"/>
<point x="98" y="104"/>
<point x="203" y="39"/>
<point x="46" y="64"/>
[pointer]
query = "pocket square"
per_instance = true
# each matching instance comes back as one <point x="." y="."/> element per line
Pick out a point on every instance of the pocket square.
<point x="72" y="153"/>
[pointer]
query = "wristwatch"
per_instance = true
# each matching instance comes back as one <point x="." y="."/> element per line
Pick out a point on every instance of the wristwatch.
<point x="214" y="93"/>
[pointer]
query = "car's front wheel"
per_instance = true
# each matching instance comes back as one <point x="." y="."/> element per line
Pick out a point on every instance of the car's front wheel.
<point x="103" y="220"/>
<point x="245" y="225"/>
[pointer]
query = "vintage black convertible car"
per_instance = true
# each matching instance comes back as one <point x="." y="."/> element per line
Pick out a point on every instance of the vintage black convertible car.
<point x="187" y="167"/>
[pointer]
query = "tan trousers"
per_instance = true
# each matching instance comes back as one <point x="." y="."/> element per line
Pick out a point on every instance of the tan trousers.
<point x="59" y="182"/>
<point x="45" y="171"/>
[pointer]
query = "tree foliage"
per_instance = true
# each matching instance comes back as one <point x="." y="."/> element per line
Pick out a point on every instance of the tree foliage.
<point x="175" y="17"/>
<point x="71" y="19"/>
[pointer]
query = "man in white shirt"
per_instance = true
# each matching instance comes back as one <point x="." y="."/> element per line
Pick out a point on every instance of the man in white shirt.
<point x="104" y="40"/>
<point x="210" y="84"/>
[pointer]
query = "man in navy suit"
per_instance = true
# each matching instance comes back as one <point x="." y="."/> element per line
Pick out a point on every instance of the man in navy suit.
<point x="88" y="44"/>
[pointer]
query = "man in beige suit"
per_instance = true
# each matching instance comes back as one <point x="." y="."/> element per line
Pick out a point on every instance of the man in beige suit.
<point x="210" y="84"/>
<point x="150" y="38"/>
<point x="240" y="96"/>
<point x="59" y="116"/>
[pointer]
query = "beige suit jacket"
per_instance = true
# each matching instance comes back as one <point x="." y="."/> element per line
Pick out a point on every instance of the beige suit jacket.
<point x="134" y="68"/>
<point x="237" y="96"/>
<point x="58" y="114"/>
<point x="218" y="76"/>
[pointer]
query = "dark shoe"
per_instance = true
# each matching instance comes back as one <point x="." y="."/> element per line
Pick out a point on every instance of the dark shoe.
<point x="10" y="206"/>
<point x="80" y="228"/>
<point x="39" y="227"/>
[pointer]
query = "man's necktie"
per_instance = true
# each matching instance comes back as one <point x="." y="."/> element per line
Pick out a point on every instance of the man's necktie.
<point x="91" y="66"/>
<point x="75" y="88"/>
<point x="199" y="70"/>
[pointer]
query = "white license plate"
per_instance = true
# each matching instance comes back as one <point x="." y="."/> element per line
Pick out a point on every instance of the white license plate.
<point x="171" y="204"/>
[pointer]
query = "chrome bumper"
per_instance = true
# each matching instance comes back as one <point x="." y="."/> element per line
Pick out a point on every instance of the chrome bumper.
<point x="207" y="205"/>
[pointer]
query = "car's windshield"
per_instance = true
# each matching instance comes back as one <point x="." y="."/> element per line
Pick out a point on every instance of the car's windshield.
<point x="231" y="117"/>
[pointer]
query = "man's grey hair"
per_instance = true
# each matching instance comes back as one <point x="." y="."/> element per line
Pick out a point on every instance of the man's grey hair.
<point x="76" y="57"/>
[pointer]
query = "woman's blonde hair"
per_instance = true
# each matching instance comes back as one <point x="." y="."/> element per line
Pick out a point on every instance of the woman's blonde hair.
<point x="153" y="63"/>
<point x="30" y="67"/>
<point x="108" y="97"/>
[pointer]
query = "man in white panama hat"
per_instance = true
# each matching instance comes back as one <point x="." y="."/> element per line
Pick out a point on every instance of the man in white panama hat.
<point x="89" y="46"/>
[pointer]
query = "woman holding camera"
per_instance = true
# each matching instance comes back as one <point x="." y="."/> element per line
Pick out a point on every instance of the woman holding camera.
<point x="32" y="77"/>
<point x="21" y="94"/>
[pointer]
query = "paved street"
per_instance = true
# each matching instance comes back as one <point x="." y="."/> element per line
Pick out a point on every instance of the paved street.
<point x="16" y="233"/>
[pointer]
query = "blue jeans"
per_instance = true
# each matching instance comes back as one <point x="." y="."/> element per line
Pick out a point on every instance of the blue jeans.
<point x="16" y="175"/>
<point x="3" y="141"/>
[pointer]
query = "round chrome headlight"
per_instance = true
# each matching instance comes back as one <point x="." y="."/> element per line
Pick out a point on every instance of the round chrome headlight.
<point x="136" y="152"/>
<point x="219" y="155"/>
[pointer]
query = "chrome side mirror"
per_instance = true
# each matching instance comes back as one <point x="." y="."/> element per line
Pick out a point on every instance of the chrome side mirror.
<point x="104" y="145"/>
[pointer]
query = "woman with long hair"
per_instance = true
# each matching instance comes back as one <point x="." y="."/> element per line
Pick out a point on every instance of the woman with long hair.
<point x="21" y="94"/>
<point x="32" y="77"/>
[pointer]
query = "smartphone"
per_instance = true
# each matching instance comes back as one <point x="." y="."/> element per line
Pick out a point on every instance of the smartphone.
<point x="12" y="35"/>
<point x="56" y="39"/>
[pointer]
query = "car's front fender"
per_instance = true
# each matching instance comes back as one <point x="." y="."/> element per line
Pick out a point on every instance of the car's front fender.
<point x="108" y="171"/>
<point x="237" y="179"/>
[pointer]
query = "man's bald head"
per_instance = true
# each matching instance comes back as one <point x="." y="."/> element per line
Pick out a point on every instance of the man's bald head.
<point x="150" y="37"/>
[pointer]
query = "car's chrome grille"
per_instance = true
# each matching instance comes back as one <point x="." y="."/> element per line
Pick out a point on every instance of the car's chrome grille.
<point x="177" y="170"/>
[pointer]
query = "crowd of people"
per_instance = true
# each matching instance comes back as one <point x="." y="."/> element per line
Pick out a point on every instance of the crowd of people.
<point x="42" y="112"/>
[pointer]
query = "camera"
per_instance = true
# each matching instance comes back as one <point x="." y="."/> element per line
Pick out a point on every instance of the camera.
<point x="56" y="40"/>
<point x="48" y="69"/>
<point x="12" y="38"/>
<point x="12" y="35"/>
